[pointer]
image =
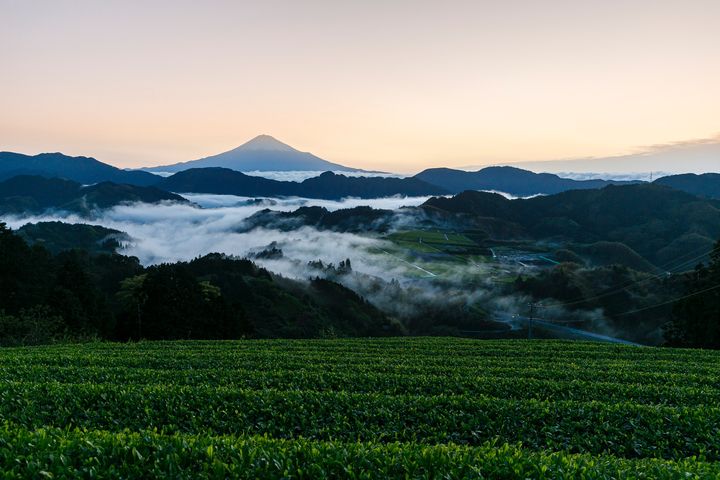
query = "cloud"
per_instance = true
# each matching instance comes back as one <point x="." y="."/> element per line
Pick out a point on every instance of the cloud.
<point x="171" y="232"/>
<point x="292" y="203"/>
<point x="402" y="285"/>
<point x="682" y="144"/>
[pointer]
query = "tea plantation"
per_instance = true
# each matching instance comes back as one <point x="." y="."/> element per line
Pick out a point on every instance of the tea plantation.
<point x="361" y="408"/>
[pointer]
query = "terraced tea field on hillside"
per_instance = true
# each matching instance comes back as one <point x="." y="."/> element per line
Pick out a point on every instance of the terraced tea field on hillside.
<point x="361" y="408"/>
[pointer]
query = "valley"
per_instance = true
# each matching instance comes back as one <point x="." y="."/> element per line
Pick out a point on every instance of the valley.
<point x="322" y="240"/>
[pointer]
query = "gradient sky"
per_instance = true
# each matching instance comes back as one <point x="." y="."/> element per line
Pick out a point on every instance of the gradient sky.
<point x="391" y="85"/>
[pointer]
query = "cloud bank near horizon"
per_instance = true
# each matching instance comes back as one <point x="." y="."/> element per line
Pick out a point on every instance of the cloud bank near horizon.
<point x="170" y="232"/>
<point x="691" y="156"/>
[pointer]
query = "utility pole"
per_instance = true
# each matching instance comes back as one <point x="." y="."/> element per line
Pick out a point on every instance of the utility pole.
<point x="530" y="323"/>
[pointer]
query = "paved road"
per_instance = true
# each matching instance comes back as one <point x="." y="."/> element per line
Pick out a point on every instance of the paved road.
<point x="554" y="327"/>
<point x="429" y="273"/>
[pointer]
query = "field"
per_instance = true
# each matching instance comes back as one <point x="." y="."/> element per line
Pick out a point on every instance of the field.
<point x="363" y="408"/>
<point x="435" y="253"/>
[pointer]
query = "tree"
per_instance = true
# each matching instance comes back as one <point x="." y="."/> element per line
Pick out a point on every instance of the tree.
<point x="32" y="326"/>
<point x="25" y="272"/>
<point x="133" y="296"/>
<point x="696" y="317"/>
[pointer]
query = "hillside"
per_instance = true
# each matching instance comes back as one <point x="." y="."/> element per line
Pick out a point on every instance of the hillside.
<point x="34" y="194"/>
<point x="401" y="408"/>
<point x="46" y="296"/>
<point x="646" y="218"/>
<point x="515" y="181"/>
<point x="358" y="219"/>
<point x="262" y="153"/>
<point x="329" y="185"/>
<point x="57" y="237"/>
<point x="704" y="185"/>
<point x="84" y="170"/>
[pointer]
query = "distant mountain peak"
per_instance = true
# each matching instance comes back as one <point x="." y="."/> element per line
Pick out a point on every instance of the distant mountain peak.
<point x="263" y="153"/>
<point x="267" y="143"/>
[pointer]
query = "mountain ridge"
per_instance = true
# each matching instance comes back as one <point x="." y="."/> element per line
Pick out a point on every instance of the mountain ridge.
<point x="654" y="220"/>
<point x="703" y="185"/>
<point x="85" y="170"/>
<point x="328" y="185"/>
<point x="511" y="180"/>
<point x="261" y="153"/>
<point x="433" y="181"/>
<point x="36" y="194"/>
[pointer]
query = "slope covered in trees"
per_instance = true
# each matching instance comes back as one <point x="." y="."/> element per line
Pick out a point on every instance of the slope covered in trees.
<point x="34" y="194"/>
<point x="696" y="317"/>
<point x="83" y="170"/>
<point x="60" y="236"/>
<point x="652" y="220"/>
<point x="704" y="185"/>
<point x="514" y="181"/>
<point x="328" y="185"/>
<point x="75" y="294"/>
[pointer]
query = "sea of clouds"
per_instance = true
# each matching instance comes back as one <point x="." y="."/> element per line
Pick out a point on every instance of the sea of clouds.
<point x="169" y="232"/>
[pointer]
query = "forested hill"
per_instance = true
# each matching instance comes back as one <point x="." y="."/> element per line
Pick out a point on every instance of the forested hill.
<point x="357" y="219"/>
<point x="34" y="194"/>
<point x="84" y="170"/>
<point x="657" y="222"/>
<point x="204" y="178"/>
<point x="74" y="294"/>
<point x="705" y="185"/>
<point x="514" y="181"/>
<point x="328" y="185"/>
<point x="60" y="236"/>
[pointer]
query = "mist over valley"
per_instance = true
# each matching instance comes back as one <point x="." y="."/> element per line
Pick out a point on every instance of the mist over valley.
<point x="360" y="240"/>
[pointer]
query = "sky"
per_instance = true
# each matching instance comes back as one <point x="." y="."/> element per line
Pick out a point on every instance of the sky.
<point x="385" y="85"/>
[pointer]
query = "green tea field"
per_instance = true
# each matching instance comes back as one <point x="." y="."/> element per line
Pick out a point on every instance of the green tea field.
<point x="361" y="408"/>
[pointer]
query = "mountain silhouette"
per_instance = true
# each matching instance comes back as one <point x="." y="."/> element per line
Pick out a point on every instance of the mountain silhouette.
<point x="262" y="153"/>
<point x="326" y="186"/>
<point x="34" y="194"/>
<point x="514" y="181"/>
<point x="704" y="185"/>
<point x="85" y="170"/>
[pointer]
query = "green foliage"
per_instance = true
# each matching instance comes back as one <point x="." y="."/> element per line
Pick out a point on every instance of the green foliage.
<point x="54" y="453"/>
<point x="60" y="236"/>
<point x="25" y="194"/>
<point x="696" y="317"/>
<point x="704" y="185"/>
<point x="646" y="218"/>
<point x="614" y="290"/>
<point x="370" y="408"/>
<point x="211" y="297"/>
<point x="614" y="253"/>
<point x="33" y="326"/>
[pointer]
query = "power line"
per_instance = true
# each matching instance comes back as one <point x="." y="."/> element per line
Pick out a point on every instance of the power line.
<point x="532" y="317"/>
<point x="668" y="302"/>
<point x="624" y="287"/>
<point x="692" y="252"/>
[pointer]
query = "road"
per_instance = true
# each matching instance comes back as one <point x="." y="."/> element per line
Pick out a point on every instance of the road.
<point x="429" y="273"/>
<point x="554" y="327"/>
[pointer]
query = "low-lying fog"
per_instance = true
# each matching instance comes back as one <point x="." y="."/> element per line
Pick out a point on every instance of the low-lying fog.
<point x="172" y="232"/>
